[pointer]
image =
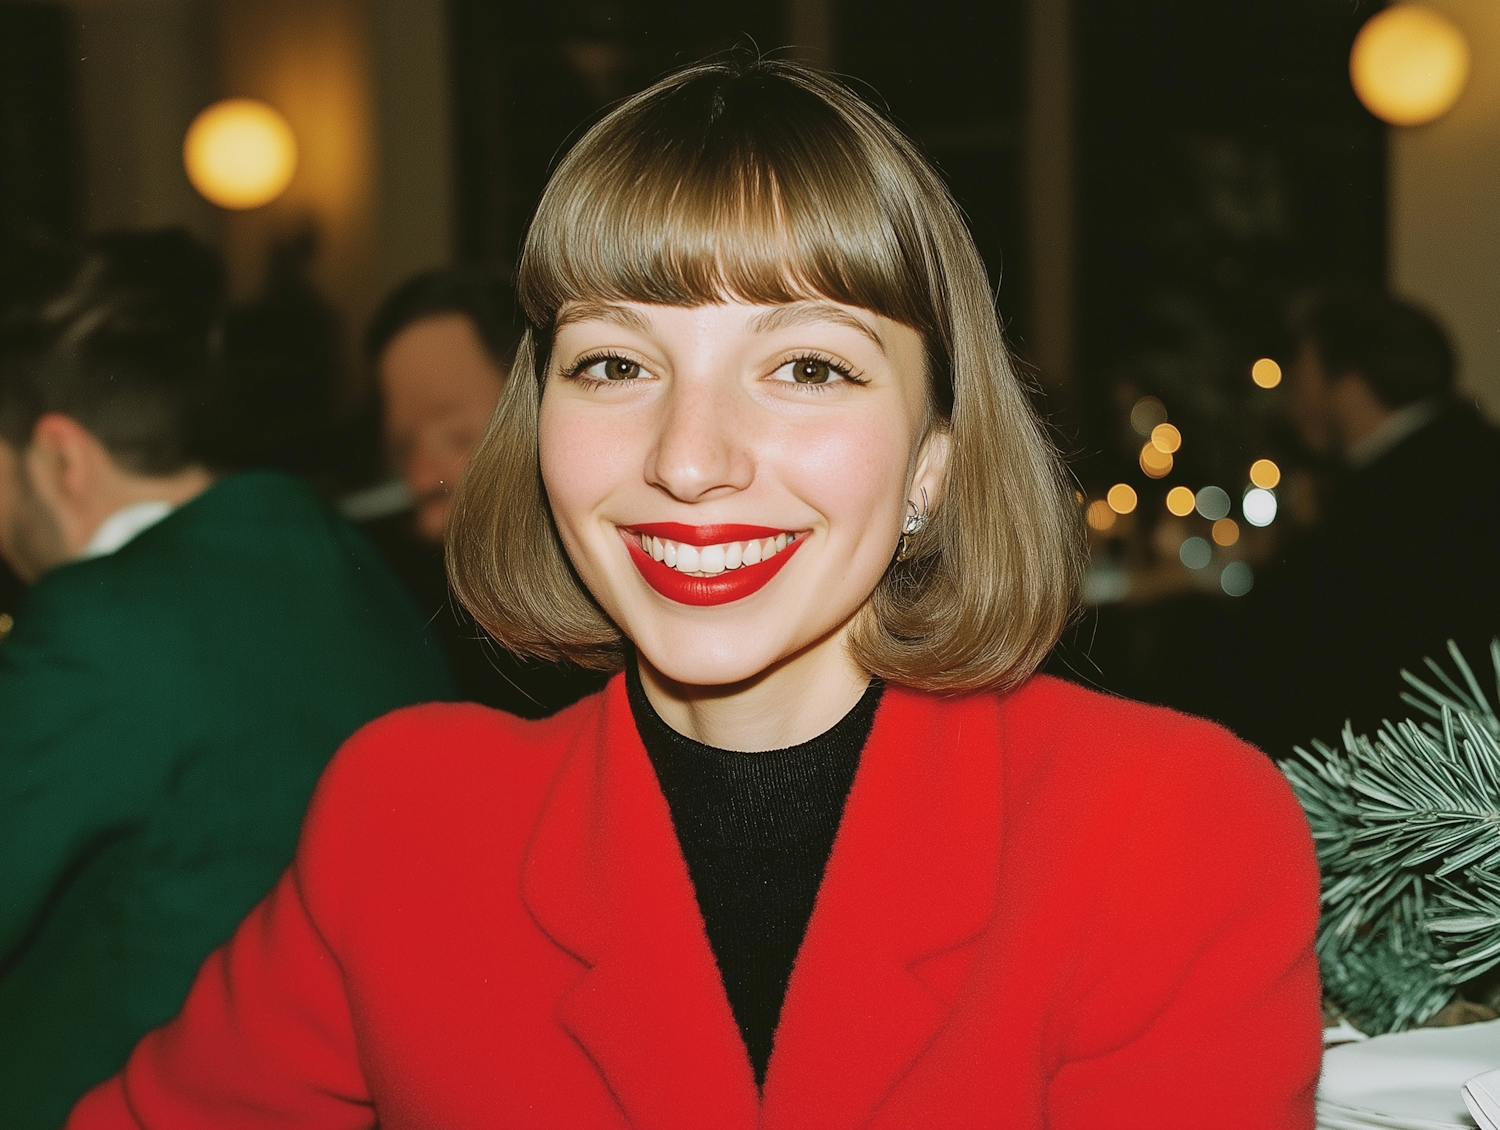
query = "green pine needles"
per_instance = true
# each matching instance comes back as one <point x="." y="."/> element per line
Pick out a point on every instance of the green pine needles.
<point x="1407" y="827"/>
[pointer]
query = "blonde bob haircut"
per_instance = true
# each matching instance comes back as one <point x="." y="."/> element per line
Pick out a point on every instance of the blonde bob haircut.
<point x="768" y="183"/>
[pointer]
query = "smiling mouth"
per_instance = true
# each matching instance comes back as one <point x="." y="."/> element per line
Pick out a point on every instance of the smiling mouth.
<point x="703" y="565"/>
<point x="711" y="560"/>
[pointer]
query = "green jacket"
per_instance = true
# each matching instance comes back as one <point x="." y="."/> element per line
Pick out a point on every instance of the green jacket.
<point x="164" y="714"/>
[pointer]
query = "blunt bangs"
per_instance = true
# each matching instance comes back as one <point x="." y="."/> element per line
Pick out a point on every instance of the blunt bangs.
<point x="762" y="191"/>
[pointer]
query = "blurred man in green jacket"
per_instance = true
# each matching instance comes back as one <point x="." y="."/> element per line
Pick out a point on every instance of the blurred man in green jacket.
<point x="191" y="653"/>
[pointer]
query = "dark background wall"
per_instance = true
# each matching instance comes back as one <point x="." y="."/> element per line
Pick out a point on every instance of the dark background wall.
<point x="1224" y="164"/>
<point x="38" y="186"/>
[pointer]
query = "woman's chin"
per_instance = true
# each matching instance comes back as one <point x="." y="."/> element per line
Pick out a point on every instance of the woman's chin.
<point x="713" y="663"/>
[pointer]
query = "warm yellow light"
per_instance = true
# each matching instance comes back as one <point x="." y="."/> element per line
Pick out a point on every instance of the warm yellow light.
<point x="1156" y="462"/>
<point x="240" y="153"/>
<point x="1121" y="498"/>
<point x="1266" y="373"/>
<point x="1180" y="501"/>
<point x="1100" y="516"/>
<point x="1265" y="474"/>
<point x="1164" y="437"/>
<point x="1226" y="531"/>
<point x="1409" y="64"/>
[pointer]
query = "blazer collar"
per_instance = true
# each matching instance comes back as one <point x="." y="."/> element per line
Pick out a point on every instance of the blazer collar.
<point x="912" y="874"/>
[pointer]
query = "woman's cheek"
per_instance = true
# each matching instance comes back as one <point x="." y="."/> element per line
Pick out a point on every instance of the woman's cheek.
<point x="579" y="454"/>
<point x="850" y="472"/>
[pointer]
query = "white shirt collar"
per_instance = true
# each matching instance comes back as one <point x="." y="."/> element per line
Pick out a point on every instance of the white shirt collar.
<point x="123" y="526"/>
<point x="1400" y="424"/>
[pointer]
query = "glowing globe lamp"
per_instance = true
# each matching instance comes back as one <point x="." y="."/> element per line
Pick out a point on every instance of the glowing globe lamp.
<point x="240" y="153"/>
<point x="1409" y="64"/>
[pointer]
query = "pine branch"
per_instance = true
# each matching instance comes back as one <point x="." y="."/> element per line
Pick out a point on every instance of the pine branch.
<point x="1407" y="829"/>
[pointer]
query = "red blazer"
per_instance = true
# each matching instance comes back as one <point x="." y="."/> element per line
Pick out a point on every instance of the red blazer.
<point x="1050" y="908"/>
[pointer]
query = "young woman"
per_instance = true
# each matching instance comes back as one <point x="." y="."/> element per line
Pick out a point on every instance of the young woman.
<point x="826" y="854"/>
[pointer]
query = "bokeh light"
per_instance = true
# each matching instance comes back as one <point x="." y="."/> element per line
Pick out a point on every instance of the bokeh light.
<point x="240" y="153"/>
<point x="1099" y="516"/>
<point x="1180" y="501"/>
<point x="1409" y="64"/>
<point x="1155" y="462"/>
<point x="1212" y="502"/>
<point x="1195" y="553"/>
<point x="1146" y="414"/>
<point x="1121" y="498"/>
<point x="1226" y="531"/>
<point x="1264" y="473"/>
<point x="1266" y="373"/>
<point x="1237" y="578"/>
<point x="1259" y="506"/>
<point x="1164" y="437"/>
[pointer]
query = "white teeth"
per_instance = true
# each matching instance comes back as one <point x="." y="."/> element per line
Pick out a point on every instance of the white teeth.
<point x="711" y="560"/>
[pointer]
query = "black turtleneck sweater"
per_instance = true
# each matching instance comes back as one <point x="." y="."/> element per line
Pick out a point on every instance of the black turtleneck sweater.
<point x="756" y="830"/>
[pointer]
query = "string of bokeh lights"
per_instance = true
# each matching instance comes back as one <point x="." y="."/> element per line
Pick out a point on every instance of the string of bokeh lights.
<point x="1258" y="503"/>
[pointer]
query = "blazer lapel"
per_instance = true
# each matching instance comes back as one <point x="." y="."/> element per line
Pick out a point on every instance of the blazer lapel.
<point x="912" y="875"/>
<point x="606" y="880"/>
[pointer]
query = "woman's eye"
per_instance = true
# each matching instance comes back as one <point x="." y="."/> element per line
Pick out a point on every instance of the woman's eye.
<point x="611" y="369"/>
<point x="813" y="371"/>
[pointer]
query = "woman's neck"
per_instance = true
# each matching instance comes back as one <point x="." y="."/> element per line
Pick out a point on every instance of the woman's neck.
<point x="787" y="704"/>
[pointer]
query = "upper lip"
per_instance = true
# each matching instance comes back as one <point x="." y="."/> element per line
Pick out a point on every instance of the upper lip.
<point x="705" y="535"/>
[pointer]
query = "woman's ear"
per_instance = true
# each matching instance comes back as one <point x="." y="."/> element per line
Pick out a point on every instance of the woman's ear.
<point x="931" y="472"/>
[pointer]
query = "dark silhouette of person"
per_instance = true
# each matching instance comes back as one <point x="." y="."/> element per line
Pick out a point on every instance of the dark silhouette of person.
<point x="1407" y="553"/>
<point x="192" y="649"/>
<point x="441" y="346"/>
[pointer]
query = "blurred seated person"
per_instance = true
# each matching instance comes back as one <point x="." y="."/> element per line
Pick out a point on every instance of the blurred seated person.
<point x="441" y="346"/>
<point x="1407" y="554"/>
<point x="190" y="653"/>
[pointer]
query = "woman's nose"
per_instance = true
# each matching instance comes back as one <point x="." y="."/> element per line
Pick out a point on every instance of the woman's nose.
<point x="702" y="447"/>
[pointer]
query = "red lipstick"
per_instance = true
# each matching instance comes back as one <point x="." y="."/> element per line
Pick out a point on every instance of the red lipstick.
<point x="731" y="585"/>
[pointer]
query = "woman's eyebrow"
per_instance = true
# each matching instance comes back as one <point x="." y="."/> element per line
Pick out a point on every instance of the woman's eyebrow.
<point x="602" y="312"/>
<point x="810" y="313"/>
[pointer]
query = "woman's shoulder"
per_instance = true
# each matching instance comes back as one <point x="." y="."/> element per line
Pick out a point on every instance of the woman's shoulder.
<point x="436" y="761"/>
<point x="1067" y="748"/>
<point x="1105" y="730"/>
<point x="1168" y="776"/>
